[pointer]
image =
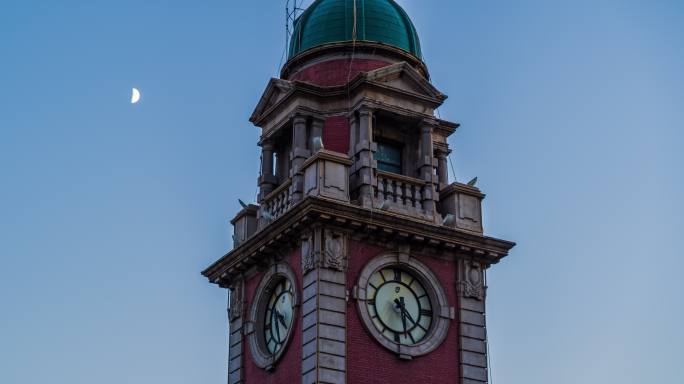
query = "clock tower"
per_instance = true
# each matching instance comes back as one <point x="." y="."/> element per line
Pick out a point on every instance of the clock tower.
<point x="360" y="262"/>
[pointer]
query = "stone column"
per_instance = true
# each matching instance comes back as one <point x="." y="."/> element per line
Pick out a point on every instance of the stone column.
<point x="324" y="307"/>
<point x="365" y="149"/>
<point x="299" y="155"/>
<point x="472" y="325"/>
<point x="353" y="140"/>
<point x="316" y="131"/>
<point x="427" y="170"/>
<point x="267" y="181"/>
<point x="442" y="169"/>
<point x="236" y="319"/>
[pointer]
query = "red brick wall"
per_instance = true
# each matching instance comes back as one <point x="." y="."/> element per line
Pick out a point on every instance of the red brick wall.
<point x="336" y="72"/>
<point x="368" y="362"/>
<point x="336" y="134"/>
<point x="288" y="368"/>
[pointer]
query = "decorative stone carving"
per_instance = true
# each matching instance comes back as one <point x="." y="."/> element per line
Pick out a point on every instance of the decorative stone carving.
<point x="308" y="253"/>
<point x="471" y="282"/>
<point x="237" y="294"/>
<point x="335" y="250"/>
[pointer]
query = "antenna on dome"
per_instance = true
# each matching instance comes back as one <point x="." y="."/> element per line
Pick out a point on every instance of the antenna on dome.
<point x="292" y="10"/>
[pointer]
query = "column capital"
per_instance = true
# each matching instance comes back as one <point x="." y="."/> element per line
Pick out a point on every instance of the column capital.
<point x="365" y="110"/>
<point x="426" y="128"/>
<point x="267" y="145"/>
<point x="299" y="117"/>
<point x="442" y="153"/>
<point x="428" y="124"/>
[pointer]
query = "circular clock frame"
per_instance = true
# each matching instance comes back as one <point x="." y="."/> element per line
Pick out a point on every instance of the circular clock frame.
<point x="441" y="315"/>
<point x="276" y="274"/>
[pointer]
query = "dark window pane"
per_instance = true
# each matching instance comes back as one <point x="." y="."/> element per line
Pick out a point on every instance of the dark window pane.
<point x="388" y="157"/>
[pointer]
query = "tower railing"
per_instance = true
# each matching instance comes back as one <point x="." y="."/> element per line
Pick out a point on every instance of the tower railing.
<point x="399" y="193"/>
<point x="277" y="202"/>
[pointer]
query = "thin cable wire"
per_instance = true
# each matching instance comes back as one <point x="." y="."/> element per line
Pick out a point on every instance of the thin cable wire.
<point x="351" y="61"/>
<point x="453" y="170"/>
<point x="351" y="65"/>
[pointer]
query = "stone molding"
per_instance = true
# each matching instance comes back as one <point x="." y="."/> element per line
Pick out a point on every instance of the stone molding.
<point x="255" y="337"/>
<point x="363" y="223"/>
<point x="443" y="312"/>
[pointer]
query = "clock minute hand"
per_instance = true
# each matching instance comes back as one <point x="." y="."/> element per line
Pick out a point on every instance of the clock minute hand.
<point x="403" y="309"/>
<point x="281" y="318"/>
<point x="275" y="314"/>
<point x="400" y="304"/>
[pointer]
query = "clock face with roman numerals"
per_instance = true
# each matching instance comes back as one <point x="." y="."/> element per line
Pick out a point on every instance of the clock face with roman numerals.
<point x="399" y="305"/>
<point x="278" y="319"/>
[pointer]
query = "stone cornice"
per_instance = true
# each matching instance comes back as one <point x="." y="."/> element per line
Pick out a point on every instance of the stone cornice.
<point x="446" y="128"/>
<point x="296" y="90"/>
<point x="285" y="232"/>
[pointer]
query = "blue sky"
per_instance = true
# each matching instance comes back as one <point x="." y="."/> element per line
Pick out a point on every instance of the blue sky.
<point x="571" y="116"/>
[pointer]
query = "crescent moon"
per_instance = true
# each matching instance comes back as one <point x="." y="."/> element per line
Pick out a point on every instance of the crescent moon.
<point x="135" y="96"/>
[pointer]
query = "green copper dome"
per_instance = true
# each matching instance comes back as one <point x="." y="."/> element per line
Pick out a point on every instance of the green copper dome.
<point x="332" y="21"/>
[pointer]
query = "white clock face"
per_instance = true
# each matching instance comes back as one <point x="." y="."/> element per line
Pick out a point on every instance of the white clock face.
<point x="279" y="316"/>
<point x="399" y="306"/>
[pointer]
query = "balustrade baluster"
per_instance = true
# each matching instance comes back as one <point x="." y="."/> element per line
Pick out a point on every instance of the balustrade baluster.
<point x="400" y="192"/>
<point x="419" y="197"/>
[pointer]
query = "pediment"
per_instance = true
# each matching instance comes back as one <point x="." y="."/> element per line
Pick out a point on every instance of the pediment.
<point x="276" y="90"/>
<point x="404" y="77"/>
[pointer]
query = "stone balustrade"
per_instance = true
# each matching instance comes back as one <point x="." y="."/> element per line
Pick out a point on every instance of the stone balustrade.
<point x="276" y="203"/>
<point x="326" y="174"/>
<point x="398" y="193"/>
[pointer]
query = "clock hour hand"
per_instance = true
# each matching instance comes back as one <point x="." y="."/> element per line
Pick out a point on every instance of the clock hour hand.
<point x="400" y="305"/>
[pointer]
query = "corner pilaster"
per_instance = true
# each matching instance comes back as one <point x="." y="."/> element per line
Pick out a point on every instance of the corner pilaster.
<point x="472" y="324"/>
<point x="235" y="340"/>
<point x="324" y="309"/>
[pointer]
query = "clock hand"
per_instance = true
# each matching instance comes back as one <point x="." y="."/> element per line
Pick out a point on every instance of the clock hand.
<point x="403" y="312"/>
<point x="275" y="313"/>
<point x="408" y="315"/>
<point x="402" y="306"/>
<point x="282" y="319"/>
